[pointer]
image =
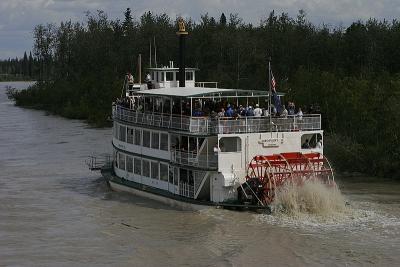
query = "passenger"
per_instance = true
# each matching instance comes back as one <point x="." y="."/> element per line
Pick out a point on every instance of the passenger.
<point x="221" y="114"/>
<point x="284" y="112"/>
<point x="250" y="111"/>
<point x="257" y="111"/>
<point x="300" y="114"/>
<point x="319" y="144"/>
<point x="306" y="144"/>
<point x="229" y="112"/>
<point x="130" y="80"/>
<point x="242" y="111"/>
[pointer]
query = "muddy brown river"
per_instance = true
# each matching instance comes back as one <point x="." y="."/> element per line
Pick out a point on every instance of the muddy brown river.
<point x="55" y="212"/>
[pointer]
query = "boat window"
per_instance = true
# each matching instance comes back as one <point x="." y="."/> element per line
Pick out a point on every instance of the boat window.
<point x="164" y="142"/>
<point x="164" y="172"/>
<point x="154" y="170"/>
<point x="189" y="76"/>
<point x="155" y="140"/>
<point x="171" y="175"/>
<point x="162" y="77"/>
<point x="121" y="164"/>
<point x="309" y="141"/>
<point x="138" y="166"/>
<point x="129" y="136"/>
<point x="146" y="138"/>
<point x="115" y="130"/>
<point x="176" y="175"/>
<point x="129" y="164"/>
<point x="146" y="168"/>
<point x="169" y="76"/>
<point x="138" y="137"/>
<point x="122" y="133"/>
<point x="116" y="158"/>
<point x="230" y="144"/>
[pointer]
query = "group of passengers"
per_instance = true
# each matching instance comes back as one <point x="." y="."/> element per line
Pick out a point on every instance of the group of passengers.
<point x="213" y="108"/>
<point x="226" y="110"/>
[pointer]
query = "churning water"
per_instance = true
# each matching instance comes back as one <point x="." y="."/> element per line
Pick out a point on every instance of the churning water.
<point x="54" y="212"/>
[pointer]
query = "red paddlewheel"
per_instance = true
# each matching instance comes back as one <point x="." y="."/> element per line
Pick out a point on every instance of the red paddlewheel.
<point x="267" y="173"/>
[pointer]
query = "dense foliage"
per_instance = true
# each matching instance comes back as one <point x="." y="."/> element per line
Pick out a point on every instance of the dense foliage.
<point x="25" y="68"/>
<point x="353" y="74"/>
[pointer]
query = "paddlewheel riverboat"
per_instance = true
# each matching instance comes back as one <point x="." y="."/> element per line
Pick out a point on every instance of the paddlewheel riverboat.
<point x="172" y="142"/>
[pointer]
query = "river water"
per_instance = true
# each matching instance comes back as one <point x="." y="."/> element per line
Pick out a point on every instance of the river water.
<point x="55" y="212"/>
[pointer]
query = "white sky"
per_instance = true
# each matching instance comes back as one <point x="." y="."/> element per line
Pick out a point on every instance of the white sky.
<point x="18" y="17"/>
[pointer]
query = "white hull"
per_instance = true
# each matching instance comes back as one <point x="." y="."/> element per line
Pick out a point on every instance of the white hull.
<point x="162" y="199"/>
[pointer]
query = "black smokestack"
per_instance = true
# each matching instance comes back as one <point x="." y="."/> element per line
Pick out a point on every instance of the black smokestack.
<point x="182" y="36"/>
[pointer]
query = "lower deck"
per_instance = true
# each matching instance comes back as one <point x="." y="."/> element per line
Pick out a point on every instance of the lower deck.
<point x="121" y="184"/>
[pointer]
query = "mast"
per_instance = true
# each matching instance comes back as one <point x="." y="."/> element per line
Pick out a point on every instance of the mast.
<point x="155" y="51"/>
<point x="150" y="52"/>
<point x="140" y="68"/>
<point x="270" y="92"/>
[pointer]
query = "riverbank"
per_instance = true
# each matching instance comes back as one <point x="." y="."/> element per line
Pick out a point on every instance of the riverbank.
<point x="55" y="212"/>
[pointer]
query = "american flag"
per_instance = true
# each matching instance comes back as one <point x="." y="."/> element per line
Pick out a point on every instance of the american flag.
<point x="273" y="83"/>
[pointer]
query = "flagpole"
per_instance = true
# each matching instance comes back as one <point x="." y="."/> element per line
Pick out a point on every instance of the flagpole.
<point x="270" y="93"/>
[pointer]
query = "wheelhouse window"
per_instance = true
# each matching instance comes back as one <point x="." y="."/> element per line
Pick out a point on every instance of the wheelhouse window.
<point x="164" y="142"/>
<point x="146" y="138"/>
<point x="230" y="144"/>
<point x="155" y="140"/>
<point x="154" y="170"/>
<point x="129" y="164"/>
<point x="146" y="168"/>
<point x="169" y="76"/>
<point x="138" y="166"/>
<point x="189" y="76"/>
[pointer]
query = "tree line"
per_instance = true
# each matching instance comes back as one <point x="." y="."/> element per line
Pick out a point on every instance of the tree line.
<point x="24" y="68"/>
<point x="352" y="74"/>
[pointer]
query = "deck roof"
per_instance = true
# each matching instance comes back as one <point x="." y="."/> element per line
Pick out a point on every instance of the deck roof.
<point x="201" y="91"/>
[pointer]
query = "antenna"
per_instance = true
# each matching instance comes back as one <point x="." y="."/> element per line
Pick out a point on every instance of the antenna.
<point x="150" y="53"/>
<point x="155" y="52"/>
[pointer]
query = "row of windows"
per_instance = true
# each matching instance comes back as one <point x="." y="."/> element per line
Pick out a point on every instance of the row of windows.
<point x="147" y="168"/>
<point x="154" y="169"/>
<point x="169" y="76"/>
<point x="139" y="137"/>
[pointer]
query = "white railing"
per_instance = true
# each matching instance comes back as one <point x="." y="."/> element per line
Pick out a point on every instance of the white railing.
<point x="186" y="190"/>
<point x="208" y="125"/>
<point x="209" y="161"/>
<point x="206" y="84"/>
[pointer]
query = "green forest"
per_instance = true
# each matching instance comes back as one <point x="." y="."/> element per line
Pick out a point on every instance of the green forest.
<point x="352" y="74"/>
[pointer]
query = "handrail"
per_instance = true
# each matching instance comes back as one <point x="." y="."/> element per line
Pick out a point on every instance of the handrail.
<point x="224" y="125"/>
<point x="191" y="158"/>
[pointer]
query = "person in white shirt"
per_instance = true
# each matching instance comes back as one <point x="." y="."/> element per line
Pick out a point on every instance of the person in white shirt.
<point x="257" y="111"/>
<point x="284" y="112"/>
<point x="300" y="114"/>
<point x="319" y="144"/>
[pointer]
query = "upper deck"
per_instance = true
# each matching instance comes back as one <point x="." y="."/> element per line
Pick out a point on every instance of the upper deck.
<point x="199" y="110"/>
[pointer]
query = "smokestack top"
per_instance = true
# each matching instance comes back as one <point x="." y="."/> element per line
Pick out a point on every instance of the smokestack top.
<point x="181" y="25"/>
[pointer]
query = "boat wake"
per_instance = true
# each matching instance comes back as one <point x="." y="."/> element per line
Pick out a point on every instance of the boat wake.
<point x="315" y="205"/>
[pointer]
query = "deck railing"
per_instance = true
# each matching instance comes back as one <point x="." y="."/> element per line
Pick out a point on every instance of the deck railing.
<point x="188" y="158"/>
<point x="208" y="125"/>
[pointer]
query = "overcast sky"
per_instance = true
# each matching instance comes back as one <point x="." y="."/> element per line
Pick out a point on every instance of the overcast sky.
<point x="18" y="17"/>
